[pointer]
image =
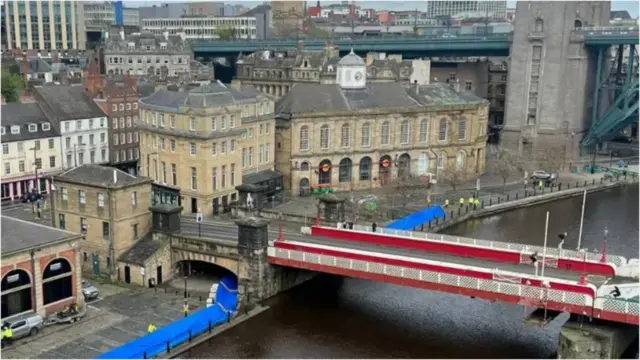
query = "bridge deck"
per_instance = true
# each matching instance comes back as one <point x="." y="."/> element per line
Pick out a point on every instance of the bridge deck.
<point x="229" y="232"/>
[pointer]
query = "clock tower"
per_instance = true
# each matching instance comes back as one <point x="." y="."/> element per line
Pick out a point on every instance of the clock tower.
<point x="352" y="72"/>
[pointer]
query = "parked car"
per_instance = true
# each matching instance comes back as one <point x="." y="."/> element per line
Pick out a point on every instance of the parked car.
<point x="368" y="199"/>
<point x="89" y="291"/>
<point x="547" y="178"/>
<point x="29" y="197"/>
<point x="25" y="325"/>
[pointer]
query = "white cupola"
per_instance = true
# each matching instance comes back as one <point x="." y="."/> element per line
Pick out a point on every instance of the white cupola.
<point x="351" y="72"/>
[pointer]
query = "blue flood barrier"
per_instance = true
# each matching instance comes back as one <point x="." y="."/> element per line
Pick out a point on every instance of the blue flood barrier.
<point x="418" y="218"/>
<point x="177" y="332"/>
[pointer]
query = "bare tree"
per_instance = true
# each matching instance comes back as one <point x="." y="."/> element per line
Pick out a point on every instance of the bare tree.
<point x="548" y="157"/>
<point x="505" y="165"/>
<point x="455" y="176"/>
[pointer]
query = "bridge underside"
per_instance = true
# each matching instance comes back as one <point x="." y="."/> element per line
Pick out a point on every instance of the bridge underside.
<point x="622" y="88"/>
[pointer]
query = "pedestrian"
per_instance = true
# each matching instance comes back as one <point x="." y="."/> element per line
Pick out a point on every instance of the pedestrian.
<point x="540" y="185"/>
<point x="185" y="308"/>
<point x="151" y="328"/>
<point x="470" y="201"/>
<point x="374" y="227"/>
<point x="461" y="202"/>
<point x="446" y="203"/>
<point x="7" y="336"/>
<point x="476" y="203"/>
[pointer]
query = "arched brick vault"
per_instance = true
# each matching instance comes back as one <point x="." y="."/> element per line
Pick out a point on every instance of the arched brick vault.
<point x="183" y="255"/>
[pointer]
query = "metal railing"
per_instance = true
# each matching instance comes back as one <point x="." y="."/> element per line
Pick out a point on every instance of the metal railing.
<point x="371" y="39"/>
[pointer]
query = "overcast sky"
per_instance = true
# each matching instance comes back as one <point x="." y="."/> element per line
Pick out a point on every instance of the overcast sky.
<point x="630" y="6"/>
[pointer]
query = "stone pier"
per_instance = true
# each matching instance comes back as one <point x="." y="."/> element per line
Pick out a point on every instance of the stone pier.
<point x="594" y="339"/>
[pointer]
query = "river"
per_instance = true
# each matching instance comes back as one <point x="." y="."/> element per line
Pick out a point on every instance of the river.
<point x="333" y="317"/>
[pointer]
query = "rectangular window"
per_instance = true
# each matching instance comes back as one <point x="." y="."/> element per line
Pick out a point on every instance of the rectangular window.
<point x="161" y="120"/>
<point x="36" y="144"/>
<point x="164" y="172"/>
<point x="115" y="139"/>
<point x="62" y="221"/>
<point x="38" y="163"/>
<point x="161" y="143"/>
<point x="105" y="230"/>
<point x="172" y="121"/>
<point x="214" y="148"/>
<point x="5" y="149"/>
<point x="194" y="178"/>
<point x="83" y="225"/>
<point x="174" y="174"/>
<point x="468" y="85"/>
<point x="63" y="192"/>
<point x="83" y="196"/>
<point x="67" y="142"/>
<point x="123" y="139"/>
<point x="244" y="158"/>
<point x="192" y="124"/>
<point x="223" y="147"/>
<point x="462" y="129"/>
<point x="52" y="161"/>
<point x="129" y="121"/>
<point x="232" y="175"/>
<point x="213" y="124"/>
<point x="223" y="124"/>
<point x="260" y="154"/>
<point x="21" y="166"/>
<point x="261" y="129"/>
<point x="51" y="143"/>
<point x="7" y="168"/>
<point x="122" y="122"/>
<point x="232" y="121"/>
<point x="192" y="148"/>
<point x="134" y="231"/>
<point x="266" y="152"/>
<point x="114" y="123"/>
<point x="250" y="158"/>
<point x="223" y="182"/>
<point x="173" y="145"/>
<point x="214" y="178"/>
<point x="232" y="145"/>
<point x="134" y="199"/>
<point x="100" y="200"/>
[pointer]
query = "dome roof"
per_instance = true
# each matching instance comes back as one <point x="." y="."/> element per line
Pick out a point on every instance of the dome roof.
<point x="351" y="59"/>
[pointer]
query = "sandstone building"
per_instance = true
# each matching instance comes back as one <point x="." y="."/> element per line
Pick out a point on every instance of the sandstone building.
<point x="275" y="74"/>
<point x="204" y="140"/>
<point x="356" y="134"/>
<point x="108" y="206"/>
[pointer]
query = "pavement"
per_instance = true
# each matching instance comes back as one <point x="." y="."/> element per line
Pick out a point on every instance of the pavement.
<point x="121" y="315"/>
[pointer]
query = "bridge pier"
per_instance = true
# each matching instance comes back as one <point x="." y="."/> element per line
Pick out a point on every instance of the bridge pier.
<point x="257" y="279"/>
<point x="597" y="339"/>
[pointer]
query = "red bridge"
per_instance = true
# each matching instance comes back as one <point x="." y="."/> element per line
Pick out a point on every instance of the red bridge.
<point x="591" y="284"/>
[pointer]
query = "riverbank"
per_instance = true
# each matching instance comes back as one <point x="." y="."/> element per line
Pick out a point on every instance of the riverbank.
<point x="185" y="348"/>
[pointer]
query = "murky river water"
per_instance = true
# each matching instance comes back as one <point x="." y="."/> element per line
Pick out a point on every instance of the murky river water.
<point x="332" y="317"/>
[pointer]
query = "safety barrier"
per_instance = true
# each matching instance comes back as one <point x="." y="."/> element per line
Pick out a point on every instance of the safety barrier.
<point x="462" y="249"/>
<point x="498" y="245"/>
<point x="505" y="283"/>
<point x="184" y="330"/>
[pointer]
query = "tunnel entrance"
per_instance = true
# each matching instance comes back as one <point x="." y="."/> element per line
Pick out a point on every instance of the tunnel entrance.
<point x="197" y="276"/>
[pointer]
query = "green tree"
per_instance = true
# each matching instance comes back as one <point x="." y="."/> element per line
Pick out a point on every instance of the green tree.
<point x="226" y="32"/>
<point x="12" y="86"/>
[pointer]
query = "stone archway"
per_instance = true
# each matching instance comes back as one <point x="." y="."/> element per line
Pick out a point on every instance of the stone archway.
<point x="57" y="281"/>
<point x="230" y="265"/>
<point x="404" y="166"/>
<point x="16" y="293"/>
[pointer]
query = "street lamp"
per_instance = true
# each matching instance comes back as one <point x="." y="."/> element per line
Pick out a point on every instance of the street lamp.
<point x="35" y="169"/>
<point x="185" y="287"/>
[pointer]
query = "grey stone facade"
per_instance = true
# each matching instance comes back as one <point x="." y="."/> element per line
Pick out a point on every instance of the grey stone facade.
<point x="550" y="73"/>
<point x="147" y="54"/>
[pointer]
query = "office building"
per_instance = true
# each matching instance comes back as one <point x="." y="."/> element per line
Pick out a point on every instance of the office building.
<point x="203" y="28"/>
<point x="102" y="15"/>
<point x="478" y="9"/>
<point x="40" y="24"/>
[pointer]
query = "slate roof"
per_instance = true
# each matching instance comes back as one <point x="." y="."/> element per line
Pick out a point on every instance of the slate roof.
<point x="20" y="235"/>
<point x="100" y="176"/>
<point x="142" y="250"/>
<point x="37" y="66"/>
<point x="308" y="98"/>
<point x="23" y="115"/>
<point x="260" y="176"/>
<point x="175" y="44"/>
<point x="351" y="59"/>
<point x="214" y="94"/>
<point x="66" y="102"/>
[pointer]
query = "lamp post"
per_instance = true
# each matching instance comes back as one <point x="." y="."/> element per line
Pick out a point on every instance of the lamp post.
<point x="185" y="287"/>
<point x="35" y="169"/>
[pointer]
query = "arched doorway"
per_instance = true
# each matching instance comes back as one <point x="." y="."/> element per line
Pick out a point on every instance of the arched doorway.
<point x="57" y="281"/>
<point x="344" y="173"/>
<point x="404" y="166"/>
<point x="324" y="172"/>
<point x="304" y="187"/>
<point x="16" y="293"/>
<point x="385" y="169"/>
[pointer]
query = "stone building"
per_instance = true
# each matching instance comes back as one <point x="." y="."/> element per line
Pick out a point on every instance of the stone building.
<point x="552" y="75"/>
<point x="108" y="206"/>
<point x="275" y="74"/>
<point x="40" y="268"/>
<point x="204" y="140"/>
<point x="288" y="17"/>
<point x="356" y="134"/>
<point x="147" y="54"/>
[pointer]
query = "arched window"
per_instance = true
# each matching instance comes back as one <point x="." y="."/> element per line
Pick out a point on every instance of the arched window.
<point x="538" y="26"/>
<point x="344" y="175"/>
<point x="324" y="175"/>
<point x="365" y="168"/>
<point x="577" y="24"/>
<point x="404" y="132"/>
<point x="442" y="130"/>
<point x="366" y="134"/>
<point x="57" y="281"/>
<point x="424" y="130"/>
<point x="442" y="160"/>
<point x="460" y="159"/>
<point x="462" y="129"/>
<point x="384" y="133"/>
<point x="345" y="136"/>
<point x="304" y="166"/>
<point x="16" y="293"/>
<point x="324" y="136"/>
<point x="304" y="138"/>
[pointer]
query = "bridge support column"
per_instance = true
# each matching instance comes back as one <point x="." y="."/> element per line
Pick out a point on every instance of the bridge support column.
<point x="594" y="340"/>
<point x="257" y="279"/>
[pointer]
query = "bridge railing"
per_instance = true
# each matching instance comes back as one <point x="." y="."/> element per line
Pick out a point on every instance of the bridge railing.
<point x="588" y="29"/>
<point x="371" y="39"/>
<point x="499" y="245"/>
<point x="620" y="306"/>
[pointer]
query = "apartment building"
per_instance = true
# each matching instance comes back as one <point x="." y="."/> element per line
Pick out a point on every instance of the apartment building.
<point x="83" y="125"/>
<point x="108" y="206"/>
<point x="202" y="28"/>
<point x="44" y="24"/>
<point x="30" y="150"/>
